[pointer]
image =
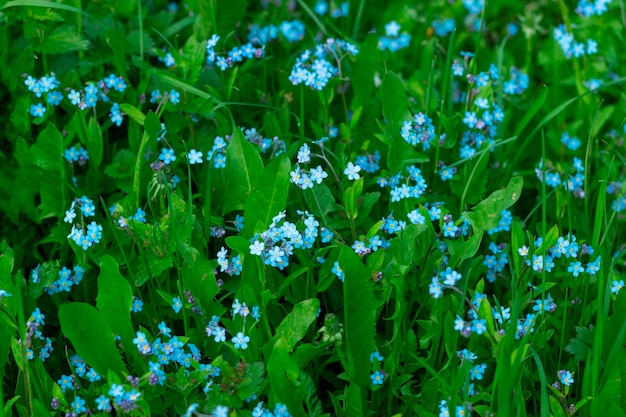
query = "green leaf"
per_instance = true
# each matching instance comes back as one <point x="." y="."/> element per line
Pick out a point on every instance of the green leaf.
<point x="95" y="144"/>
<point x="485" y="216"/>
<point x="114" y="301"/>
<point x="243" y="165"/>
<point x="268" y="196"/>
<point x="152" y="126"/>
<point x="198" y="276"/>
<point x="150" y="267"/>
<point x="133" y="112"/>
<point x="582" y="343"/>
<point x="92" y="337"/>
<point x="62" y="40"/>
<point x="395" y="103"/>
<point x="283" y="373"/>
<point x="320" y="201"/>
<point x="396" y="111"/>
<point x="359" y="319"/>
<point x="517" y="241"/>
<point x="48" y="153"/>
<point x="461" y="250"/>
<point x="122" y="165"/>
<point x="295" y="325"/>
<point x="186" y="87"/>
<point x="41" y="3"/>
<point x="229" y="13"/>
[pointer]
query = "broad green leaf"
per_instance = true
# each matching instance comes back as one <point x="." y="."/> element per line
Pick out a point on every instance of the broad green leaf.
<point x="48" y="154"/>
<point x="151" y="266"/>
<point x="395" y="103"/>
<point x="582" y="343"/>
<point x="283" y="374"/>
<point x="485" y="216"/>
<point x="95" y="144"/>
<point x="363" y="72"/>
<point x="114" y="301"/>
<point x="152" y="126"/>
<point x="198" y="275"/>
<point x="122" y="165"/>
<point x="186" y="87"/>
<point x="62" y="40"/>
<point x="320" y="201"/>
<point x="402" y="154"/>
<point x="41" y="3"/>
<point x="243" y="165"/>
<point x="517" y="241"/>
<point x="7" y="327"/>
<point x="461" y="250"/>
<point x="268" y="196"/>
<point x="295" y="325"/>
<point x="91" y="336"/>
<point x="359" y="318"/>
<point x="133" y="112"/>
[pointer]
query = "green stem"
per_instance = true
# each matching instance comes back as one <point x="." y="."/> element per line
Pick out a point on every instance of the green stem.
<point x="140" y="17"/>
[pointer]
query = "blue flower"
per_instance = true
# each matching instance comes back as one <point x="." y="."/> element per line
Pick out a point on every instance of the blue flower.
<point x="167" y="156"/>
<point x="37" y="110"/>
<point x="566" y="377"/>
<point x="478" y="371"/>
<point x="174" y="97"/>
<point x="377" y="378"/>
<point x="240" y="341"/>
<point x="194" y="157"/>
<point x="177" y="305"/>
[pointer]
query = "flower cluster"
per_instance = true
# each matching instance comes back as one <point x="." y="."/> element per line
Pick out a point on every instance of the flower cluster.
<point x="587" y="8"/>
<point x="277" y="243"/>
<point x="321" y="8"/>
<point x="393" y="39"/>
<point x="413" y="185"/>
<point x="273" y="145"/>
<point x="306" y="178"/>
<point x="374" y="243"/>
<point x="76" y="154"/>
<point x="85" y="237"/>
<point x="566" y="247"/>
<point x="504" y="224"/>
<point x="378" y="376"/>
<point x="517" y="84"/>
<point x="67" y="278"/>
<point x="420" y="130"/>
<point x="445" y="278"/>
<point x="496" y="262"/>
<point x="116" y="114"/>
<point x="338" y="271"/>
<point x="217" y="154"/>
<point x="572" y="143"/>
<point x="314" y="70"/>
<point x="369" y="162"/>
<point x="443" y="27"/>
<point x="593" y="84"/>
<point x="572" y="180"/>
<point x="173" y="96"/>
<point x="474" y="6"/>
<point x="570" y="47"/>
<point x="232" y="266"/>
<point x="44" y="85"/>
<point x="235" y="55"/>
<point x="34" y="325"/>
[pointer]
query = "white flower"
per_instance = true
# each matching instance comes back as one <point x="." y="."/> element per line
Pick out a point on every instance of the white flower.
<point x="352" y="171"/>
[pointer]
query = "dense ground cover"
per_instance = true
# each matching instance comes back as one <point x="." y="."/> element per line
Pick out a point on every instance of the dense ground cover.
<point x="311" y="208"/>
